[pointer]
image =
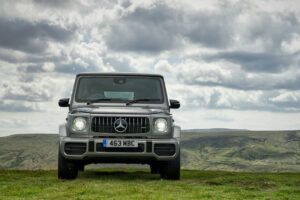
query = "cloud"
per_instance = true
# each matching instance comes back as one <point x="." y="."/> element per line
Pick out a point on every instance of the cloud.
<point x="34" y="88"/>
<point x="163" y="66"/>
<point x="16" y="107"/>
<point x="255" y="62"/>
<point x="151" y="30"/>
<point x="223" y="57"/>
<point x="233" y="76"/>
<point x="31" y="37"/>
<point x="160" y="27"/>
<point x="194" y="97"/>
<point x="84" y="57"/>
<point x="209" y="29"/>
<point x="272" y="30"/>
<point x="120" y="64"/>
<point x="56" y="3"/>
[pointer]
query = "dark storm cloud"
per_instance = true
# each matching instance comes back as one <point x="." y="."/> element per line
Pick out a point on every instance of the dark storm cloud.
<point x="272" y="29"/>
<point x="56" y="3"/>
<point x="161" y="27"/>
<point x="146" y="29"/>
<point x="210" y="29"/>
<point x="255" y="62"/>
<point x="31" y="37"/>
<point x="126" y="3"/>
<point x="15" y="107"/>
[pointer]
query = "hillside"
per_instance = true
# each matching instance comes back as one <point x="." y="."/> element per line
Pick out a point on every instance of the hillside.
<point x="29" y="151"/>
<point x="132" y="183"/>
<point x="260" y="151"/>
<point x="269" y="151"/>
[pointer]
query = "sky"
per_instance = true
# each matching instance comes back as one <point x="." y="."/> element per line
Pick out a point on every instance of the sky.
<point x="231" y="64"/>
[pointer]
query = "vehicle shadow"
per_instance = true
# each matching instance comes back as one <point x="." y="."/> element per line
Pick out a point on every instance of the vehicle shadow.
<point x="119" y="174"/>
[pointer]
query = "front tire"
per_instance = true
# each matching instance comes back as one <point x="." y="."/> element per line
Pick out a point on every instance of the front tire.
<point x="171" y="169"/>
<point x="66" y="168"/>
<point x="154" y="168"/>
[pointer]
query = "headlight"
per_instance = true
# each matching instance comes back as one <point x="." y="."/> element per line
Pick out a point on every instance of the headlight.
<point x="79" y="124"/>
<point x="161" y="125"/>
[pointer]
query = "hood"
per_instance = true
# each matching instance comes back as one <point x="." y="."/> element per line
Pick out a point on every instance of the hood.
<point x="120" y="110"/>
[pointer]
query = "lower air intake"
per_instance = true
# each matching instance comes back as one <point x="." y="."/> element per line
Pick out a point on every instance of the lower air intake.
<point x="164" y="149"/>
<point x="75" y="148"/>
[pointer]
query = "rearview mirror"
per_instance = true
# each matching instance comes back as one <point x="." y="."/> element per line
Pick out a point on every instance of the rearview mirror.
<point x="174" y="103"/>
<point x="64" y="102"/>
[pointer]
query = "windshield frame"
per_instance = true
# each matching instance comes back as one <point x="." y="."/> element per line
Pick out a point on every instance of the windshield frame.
<point x="76" y="102"/>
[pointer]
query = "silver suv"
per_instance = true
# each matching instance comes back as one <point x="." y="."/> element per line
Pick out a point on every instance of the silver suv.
<point x="119" y="118"/>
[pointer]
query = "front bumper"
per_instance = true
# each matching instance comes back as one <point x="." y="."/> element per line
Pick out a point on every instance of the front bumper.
<point x="149" y="152"/>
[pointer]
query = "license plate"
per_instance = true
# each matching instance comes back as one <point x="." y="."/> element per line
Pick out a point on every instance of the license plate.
<point x="119" y="143"/>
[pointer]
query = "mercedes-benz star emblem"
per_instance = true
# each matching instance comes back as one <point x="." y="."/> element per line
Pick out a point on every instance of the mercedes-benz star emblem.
<point x="120" y="125"/>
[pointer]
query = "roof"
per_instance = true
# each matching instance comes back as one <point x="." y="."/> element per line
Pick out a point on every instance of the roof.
<point x="118" y="74"/>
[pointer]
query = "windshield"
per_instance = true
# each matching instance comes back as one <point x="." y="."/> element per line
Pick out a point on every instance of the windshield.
<point x="119" y="89"/>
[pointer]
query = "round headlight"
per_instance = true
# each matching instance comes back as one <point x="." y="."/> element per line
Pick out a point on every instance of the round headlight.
<point x="79" y="124"/>
<point x="161" y="125"/>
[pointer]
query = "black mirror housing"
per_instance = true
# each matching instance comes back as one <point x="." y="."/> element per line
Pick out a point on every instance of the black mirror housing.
<point x="64" y="102"/>
<point x="174" y="103"/>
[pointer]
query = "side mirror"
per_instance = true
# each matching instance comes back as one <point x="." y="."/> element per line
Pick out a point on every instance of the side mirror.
<point x="64" y="102"/>
<point x="174" y="103"/>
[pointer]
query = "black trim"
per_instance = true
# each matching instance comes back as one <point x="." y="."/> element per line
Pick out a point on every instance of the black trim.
<point x="91" y="146"/>
<point x="149" y="147"/>
<point x="119" y="74"/>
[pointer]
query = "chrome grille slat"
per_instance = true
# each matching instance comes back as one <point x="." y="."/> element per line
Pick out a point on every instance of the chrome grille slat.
<point x="105" y="124"/>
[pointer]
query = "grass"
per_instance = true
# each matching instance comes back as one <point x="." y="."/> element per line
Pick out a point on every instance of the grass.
<point x="130" y="183"/>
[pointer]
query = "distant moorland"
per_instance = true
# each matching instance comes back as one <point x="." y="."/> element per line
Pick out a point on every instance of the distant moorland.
<point x="229" y="150"/>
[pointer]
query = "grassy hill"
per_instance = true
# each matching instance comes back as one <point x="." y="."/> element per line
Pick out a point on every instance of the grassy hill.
<point x="256" y="151"/>
<point x="29" y="151"/>
<point x="264" y="151"/>
<point x="140" y="184"/>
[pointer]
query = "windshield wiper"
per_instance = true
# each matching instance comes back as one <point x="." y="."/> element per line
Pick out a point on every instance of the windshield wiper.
<point x="97" y="100"/>
<point x="139" y="100"/>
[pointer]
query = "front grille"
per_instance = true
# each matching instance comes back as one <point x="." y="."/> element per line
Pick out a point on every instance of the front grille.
<point x="75" y="148"/>
<point x="134" y="124"/>
<point x="164" y="149"/>
<point x="100" y="148"/>
<point x="121" y="137"/>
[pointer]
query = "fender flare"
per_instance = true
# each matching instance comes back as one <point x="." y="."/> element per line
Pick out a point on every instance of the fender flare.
<point x="62" y="130"/>
<point x="176" y="132"/>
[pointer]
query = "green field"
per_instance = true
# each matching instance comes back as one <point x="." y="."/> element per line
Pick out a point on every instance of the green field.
<point x="130" y="183"/>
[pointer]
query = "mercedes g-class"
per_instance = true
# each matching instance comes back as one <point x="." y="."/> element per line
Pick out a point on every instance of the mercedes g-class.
<point x="119" y="118"/>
